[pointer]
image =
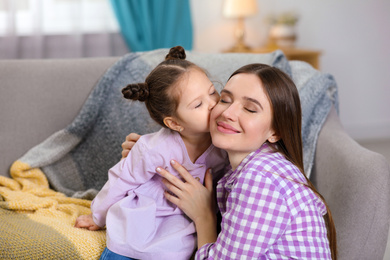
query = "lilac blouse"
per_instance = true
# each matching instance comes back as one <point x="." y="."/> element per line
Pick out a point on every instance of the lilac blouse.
<point x="268" y="213"/>
<point x="140" y="222"/>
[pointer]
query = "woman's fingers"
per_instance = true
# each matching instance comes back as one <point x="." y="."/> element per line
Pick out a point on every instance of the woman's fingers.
<point x="208" y="180"/>
<point x="170" y="177"/>
<point x="128" y="144"/>
<point x="125" y="153"/>
<point x="172" y="183"/>
<point x="133" y="137"/>
<point x="175" y="190"/>
<point x="191" y="196"/>
<point x="183" y="172"/>
<point x="172" y="198"/>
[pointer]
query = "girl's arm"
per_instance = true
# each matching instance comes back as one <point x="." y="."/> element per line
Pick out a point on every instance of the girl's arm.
<point x="120" y="182"/>
<point x="122" y="178"/>
<point x="196" y="201"/>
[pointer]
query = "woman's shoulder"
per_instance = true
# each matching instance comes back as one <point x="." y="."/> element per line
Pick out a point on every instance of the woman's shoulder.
<point x="269" y="161"/>
<point x="280" y="174"/>
<point x="277" y="168"/>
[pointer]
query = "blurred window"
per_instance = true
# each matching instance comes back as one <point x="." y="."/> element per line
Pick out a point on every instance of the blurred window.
<point x="56" y="17"/>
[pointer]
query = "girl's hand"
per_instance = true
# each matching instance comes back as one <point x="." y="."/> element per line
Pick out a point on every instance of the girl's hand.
<point x="131" y="139"/>
<point x="196" y="201"/>
<point x="86" y="221"/>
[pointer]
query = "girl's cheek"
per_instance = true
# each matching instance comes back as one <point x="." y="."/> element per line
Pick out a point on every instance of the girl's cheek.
<point x="212" y="114"/>
<point x="217" y="111"/>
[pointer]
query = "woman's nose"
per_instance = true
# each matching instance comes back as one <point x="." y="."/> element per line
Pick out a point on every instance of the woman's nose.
<point x="230" y="112"/>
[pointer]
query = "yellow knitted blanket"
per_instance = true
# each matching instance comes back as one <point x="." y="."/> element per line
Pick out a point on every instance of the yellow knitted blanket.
<point x="37" y="222"/>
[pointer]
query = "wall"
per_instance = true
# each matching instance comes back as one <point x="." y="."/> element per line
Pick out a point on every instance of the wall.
<point x="353" y="35"/>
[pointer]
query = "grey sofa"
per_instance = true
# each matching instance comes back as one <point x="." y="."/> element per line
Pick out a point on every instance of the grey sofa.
<point x="39" y="97"/>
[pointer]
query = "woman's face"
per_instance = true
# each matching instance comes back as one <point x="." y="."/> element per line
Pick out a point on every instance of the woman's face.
<point x="241" y="121"/>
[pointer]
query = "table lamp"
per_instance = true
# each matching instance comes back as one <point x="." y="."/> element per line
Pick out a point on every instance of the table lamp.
<point x="239" y="9"/>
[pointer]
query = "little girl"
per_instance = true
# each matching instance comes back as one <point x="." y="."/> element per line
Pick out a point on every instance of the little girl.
<point x="140" y="222"/>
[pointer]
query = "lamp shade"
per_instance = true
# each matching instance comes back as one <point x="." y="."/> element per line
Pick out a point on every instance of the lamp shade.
<point x="239" y="8"/>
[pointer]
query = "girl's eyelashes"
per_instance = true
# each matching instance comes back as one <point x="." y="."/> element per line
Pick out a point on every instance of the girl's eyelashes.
<point x="198" y="105"/>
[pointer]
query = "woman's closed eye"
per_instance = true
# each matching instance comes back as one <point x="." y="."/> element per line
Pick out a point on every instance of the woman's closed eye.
<point x="250" y="110"/>
<point x="225" y="99"/>
<point x="251" y="107"/>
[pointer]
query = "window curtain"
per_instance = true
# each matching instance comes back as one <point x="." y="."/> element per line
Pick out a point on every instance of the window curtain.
<point x="36" y="29"/>
<point x="153" y="24"/>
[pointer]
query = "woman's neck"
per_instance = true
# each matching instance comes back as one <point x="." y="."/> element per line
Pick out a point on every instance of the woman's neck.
<point x="196" y="145"/>
<point x="235" y="158"/>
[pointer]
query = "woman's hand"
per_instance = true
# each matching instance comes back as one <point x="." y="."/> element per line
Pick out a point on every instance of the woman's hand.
<point x="196" y="201"/>
<point x="131" y="139"/>
<point x="86" y="221"/>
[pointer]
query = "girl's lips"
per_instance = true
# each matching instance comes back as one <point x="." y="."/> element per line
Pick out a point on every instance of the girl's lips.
<point x="226" y="129"/>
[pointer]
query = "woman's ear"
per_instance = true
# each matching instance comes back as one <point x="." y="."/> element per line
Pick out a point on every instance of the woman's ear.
<point x="172" y="123"/>
<point x="273" y="138"/>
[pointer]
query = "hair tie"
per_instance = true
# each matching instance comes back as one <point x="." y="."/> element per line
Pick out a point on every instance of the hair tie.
<point x="177" y="53"/>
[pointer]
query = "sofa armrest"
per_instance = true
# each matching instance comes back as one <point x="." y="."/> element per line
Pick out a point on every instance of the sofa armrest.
<point x="40" y="97"/>
<point x="355" y="184"/>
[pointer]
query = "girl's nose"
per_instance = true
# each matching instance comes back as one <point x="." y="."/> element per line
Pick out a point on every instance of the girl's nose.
<point x="212" y="103"/>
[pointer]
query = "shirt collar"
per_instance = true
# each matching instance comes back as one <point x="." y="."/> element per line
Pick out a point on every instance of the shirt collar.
<point x="264" y="148"/>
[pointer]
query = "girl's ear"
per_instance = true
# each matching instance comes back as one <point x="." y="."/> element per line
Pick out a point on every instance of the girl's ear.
<point x="172" y="123"/>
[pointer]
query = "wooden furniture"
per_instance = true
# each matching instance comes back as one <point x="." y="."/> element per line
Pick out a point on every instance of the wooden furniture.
<point x="292" y="53"/>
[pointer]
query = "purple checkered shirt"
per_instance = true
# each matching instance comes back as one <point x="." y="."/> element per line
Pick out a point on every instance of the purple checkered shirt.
<point x="268" y="213"/>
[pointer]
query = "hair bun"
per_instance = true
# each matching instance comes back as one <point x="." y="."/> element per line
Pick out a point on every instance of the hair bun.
<point x="136" y="91"/>
<point x="177" y="52"/>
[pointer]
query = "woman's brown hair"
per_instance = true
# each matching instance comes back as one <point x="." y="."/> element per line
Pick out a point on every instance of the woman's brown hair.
<point x="286" y="122"/>
<point x="158" y="90"/>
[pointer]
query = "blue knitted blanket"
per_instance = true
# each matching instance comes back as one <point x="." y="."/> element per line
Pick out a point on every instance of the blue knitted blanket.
<point x="76" y="159"/>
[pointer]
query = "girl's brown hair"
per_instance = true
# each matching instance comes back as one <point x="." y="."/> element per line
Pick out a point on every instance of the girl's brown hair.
<point x="286" y="122"/>
<point x="158" y="90"/>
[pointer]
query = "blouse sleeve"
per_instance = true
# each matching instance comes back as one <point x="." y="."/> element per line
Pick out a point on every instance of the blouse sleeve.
<point x="256" y="216"/>
<point x="125" y="176"/>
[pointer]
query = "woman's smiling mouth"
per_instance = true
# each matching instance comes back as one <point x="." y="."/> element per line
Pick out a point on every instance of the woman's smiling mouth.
<point x="226" y="129"/>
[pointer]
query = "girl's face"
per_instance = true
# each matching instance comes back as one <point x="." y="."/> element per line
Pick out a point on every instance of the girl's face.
<point x="241" y="121"/>
<point x="197" y="98"/>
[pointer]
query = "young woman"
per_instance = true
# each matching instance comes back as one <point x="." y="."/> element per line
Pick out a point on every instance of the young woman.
<point x="269" y="208"/>
<point x="140" y="222"/>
